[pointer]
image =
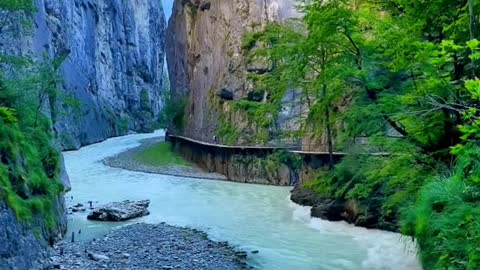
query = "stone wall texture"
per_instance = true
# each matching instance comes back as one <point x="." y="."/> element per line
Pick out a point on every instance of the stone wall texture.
<point x="115" y="51"/>
<point x="205" y="57"/>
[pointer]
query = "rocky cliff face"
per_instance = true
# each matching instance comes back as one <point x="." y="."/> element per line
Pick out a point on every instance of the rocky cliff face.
<point x="206" y="63"/>
<point x="114" y="65"/>
<point x="24" y="244"/>
<point x="253" y="166"/>
<point x="19" y="246"/>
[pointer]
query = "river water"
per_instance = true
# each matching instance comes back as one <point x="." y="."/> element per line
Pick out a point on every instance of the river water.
<point x="251" y="217"/>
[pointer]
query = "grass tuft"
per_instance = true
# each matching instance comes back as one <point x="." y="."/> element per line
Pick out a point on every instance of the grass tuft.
<point x="160" y="154"/>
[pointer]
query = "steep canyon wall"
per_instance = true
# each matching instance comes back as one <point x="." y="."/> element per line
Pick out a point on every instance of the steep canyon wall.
<point x="207" y="65"/>
<point x="112" y="71"/>
<point x="113" y="67"/>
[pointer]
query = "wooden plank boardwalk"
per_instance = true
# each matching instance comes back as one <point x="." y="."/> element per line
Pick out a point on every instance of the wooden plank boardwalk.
<point x="293" y="150"/>
<point x="249" y="147"/>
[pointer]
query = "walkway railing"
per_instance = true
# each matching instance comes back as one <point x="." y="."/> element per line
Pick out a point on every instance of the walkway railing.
<point x="288" y="146"/>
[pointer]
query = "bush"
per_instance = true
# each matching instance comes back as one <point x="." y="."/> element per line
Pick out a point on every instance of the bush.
<point x="173" y="113"/>
<point x="446" y="218"/>
<point x="28" y="171"/>
<point x="446" y="224"/>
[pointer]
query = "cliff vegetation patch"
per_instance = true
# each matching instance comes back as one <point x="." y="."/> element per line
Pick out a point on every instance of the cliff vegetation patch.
<point x="29" y="163"/>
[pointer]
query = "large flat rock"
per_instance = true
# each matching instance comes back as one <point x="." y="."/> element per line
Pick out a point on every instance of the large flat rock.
<point x="120" y="211"/>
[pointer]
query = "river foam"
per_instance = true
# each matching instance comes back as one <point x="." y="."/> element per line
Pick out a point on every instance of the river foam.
<point x="385" y="250"/>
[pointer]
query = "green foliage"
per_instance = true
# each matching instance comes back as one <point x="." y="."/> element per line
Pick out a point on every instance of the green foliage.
<point x="8" y="115"/>
<point x="8" y="10"/>
<point x="228" y="132"/>
<point x="261" y="117"/>
<point x="29" y="165"/>
<point x="17" y="5"/>
<point x="145" y="100"/>
<point x="144" y="114"/>
<point x="174" y="110"/>
<point x="173" y="114"/>
<point x="249" y="40"/>
<point x="445" y="220"/>
<point x="123" y="125"/>
<point x="262" y="114"/>
<point x="446" y="224"/>
<point x="403" y="74"/>
<point x="28" y="171"/>
<point x="160" y="154"/>
<point x="271" y="164"/>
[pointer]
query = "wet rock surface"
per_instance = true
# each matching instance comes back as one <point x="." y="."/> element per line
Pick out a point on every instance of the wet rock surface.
<point x="361" y="213"/>
<point x="120" y="211"/>
<point x="146" y="246"/>
<point x="126" y="160"/>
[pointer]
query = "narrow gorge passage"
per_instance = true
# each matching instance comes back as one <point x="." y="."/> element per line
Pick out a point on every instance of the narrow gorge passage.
<point x="250" y="217"/>
<point x="239" y="135"/>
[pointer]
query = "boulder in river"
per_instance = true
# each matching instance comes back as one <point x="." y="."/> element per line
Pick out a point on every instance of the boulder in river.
<point x="120" y="211"/>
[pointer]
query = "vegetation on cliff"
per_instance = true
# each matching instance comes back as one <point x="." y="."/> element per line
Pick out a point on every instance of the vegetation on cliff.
<point x="403" y="74"/>
<point x="29" y="164"/>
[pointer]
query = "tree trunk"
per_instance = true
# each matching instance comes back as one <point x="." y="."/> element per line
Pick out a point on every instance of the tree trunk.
<point x="473" y="27"/>
<point x="331" y="162"/>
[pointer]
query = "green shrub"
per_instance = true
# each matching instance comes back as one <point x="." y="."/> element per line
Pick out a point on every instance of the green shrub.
<point x="29" y="164"/>
<point x="446" y="224"/>
<point x="228" y="132"/>
<point x="28" y="172"/>
<point x="173" y="113"/>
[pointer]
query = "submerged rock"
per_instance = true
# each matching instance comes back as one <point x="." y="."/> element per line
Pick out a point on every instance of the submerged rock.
<point x="120" y="211"/>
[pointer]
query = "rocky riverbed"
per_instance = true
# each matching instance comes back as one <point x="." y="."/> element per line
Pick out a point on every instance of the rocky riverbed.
<point x="126" y="160"/>
<point x="147" y="246"/>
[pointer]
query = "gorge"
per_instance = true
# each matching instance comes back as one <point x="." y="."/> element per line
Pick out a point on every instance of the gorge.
<point x="264" y="134"/>
<point x="250" y="217"/>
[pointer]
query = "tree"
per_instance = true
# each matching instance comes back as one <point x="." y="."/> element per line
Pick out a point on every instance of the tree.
<point x="403" y="73"/>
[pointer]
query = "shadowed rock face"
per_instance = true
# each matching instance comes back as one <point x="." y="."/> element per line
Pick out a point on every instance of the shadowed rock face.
<point x="116" y="50"/>
<point x="19" y="246"/>
<point x="115" y="55"/>
<point x="204" y="53"/>
<point x="365" y="213"/>
<point x="24" y="246"/>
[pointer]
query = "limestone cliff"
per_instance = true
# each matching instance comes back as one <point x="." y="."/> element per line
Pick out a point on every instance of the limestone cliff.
<point x="207" y="65"/>
<point x="113" y="68"/>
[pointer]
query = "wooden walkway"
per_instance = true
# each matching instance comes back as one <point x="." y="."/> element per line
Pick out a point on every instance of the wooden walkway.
<point x="230" y="146"/>
<point x="246" y="147"/>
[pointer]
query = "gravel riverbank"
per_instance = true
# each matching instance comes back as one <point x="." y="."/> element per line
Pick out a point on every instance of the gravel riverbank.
<point x="147" y="246"/>
<point x="126" y="160"/>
